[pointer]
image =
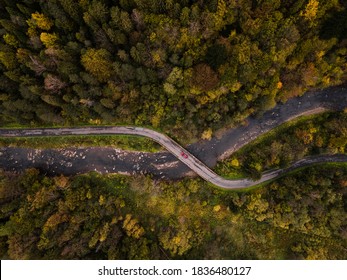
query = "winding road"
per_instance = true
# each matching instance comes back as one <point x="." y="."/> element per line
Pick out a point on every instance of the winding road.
<point x="310" y="103"/>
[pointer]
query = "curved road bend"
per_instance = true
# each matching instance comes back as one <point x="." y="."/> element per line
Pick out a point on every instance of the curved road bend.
<point x="191" y="161"/>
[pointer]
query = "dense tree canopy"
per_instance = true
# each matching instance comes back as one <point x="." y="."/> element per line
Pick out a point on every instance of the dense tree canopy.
<point x="170" y="64"/>
<point x="187" y="67"/>
<point x="95" y="217"/>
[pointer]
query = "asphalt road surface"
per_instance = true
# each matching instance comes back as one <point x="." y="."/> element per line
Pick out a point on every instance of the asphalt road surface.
<point x="89" y="159"/>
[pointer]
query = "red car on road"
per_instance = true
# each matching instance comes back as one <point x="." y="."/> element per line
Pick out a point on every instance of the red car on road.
<point x="184" y="155"/>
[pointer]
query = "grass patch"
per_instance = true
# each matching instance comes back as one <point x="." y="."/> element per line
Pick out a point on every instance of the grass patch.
<point x="126" y="142"/>
<point x="134" y="143"/>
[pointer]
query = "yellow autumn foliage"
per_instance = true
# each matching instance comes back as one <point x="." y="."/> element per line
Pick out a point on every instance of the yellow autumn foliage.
<point x="41" y="21"/>
<point x="49" y="40"/>
<point x="310" y="11"/>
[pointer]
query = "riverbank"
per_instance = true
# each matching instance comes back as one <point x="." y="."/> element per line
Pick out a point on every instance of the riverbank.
<point x="163" y="165"/>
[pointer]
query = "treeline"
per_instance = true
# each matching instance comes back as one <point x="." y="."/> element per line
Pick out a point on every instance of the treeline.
<point x="323" y="134"/>
<point x="301" y="216"/>
<point x="170" y="64"/>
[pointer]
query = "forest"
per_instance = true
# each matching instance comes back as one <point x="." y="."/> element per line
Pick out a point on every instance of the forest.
<point x="167" y="64"/>
<point x="187" y="68"/>
<point x="300" y="216"/>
